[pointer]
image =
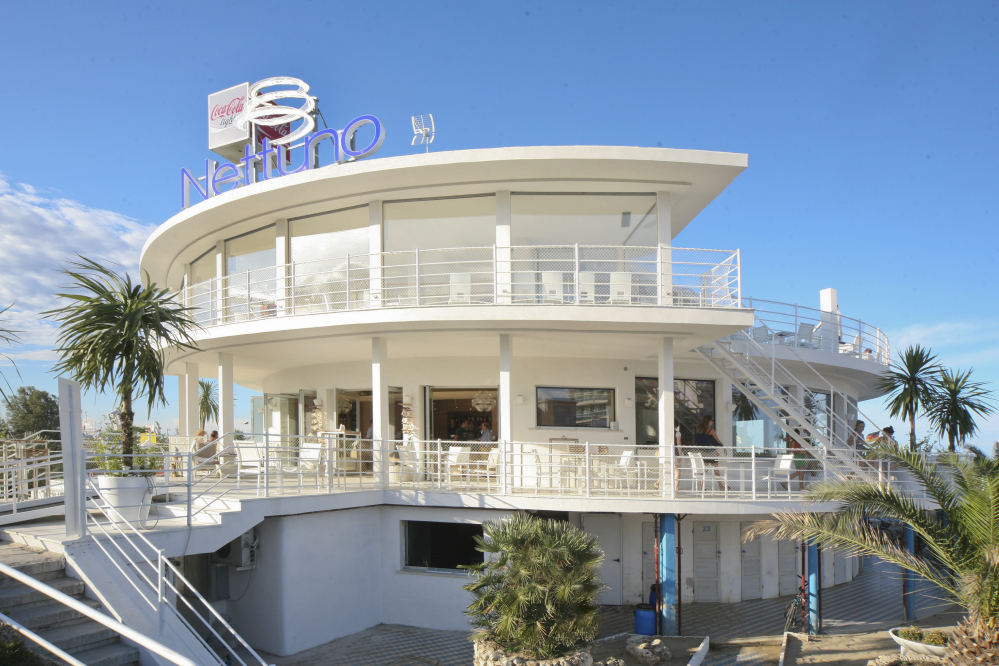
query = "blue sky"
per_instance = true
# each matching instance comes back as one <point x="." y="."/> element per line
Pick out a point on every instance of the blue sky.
<point x="872" y="130"/>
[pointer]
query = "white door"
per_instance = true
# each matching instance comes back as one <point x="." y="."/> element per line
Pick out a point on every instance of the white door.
<point x="648" y="558"/>
<point x="706" y="587"/>
<point x="787" y="567"/>
<point x="841" y="563"/>
<point x="752" y="578"/>
<point x="607" y="528"/>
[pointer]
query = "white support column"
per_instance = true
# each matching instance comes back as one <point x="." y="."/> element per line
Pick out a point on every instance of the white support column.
<point x="829" y="332"/>
<point x="379" y="405"/>
<point x="182" y="406"/>
<point x="191" y="390"/>
<point x="665" y="371"/>
<point x="226" y="402"/>
<point x="284" y="274"/>
<point x="505" y="425"/>
<point x="375" y="248"/>
<point x="665" y="226"/>
<point x="221" y="306"/>
<point x="504" y="280"/>
<point x="723" y="414"/>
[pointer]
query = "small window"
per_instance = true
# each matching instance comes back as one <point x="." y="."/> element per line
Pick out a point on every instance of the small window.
<point x="575" y="407"/>
<point x="441" y="546"/>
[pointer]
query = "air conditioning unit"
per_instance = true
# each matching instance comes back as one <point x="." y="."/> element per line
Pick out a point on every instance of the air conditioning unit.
<point x="241" y="552"/>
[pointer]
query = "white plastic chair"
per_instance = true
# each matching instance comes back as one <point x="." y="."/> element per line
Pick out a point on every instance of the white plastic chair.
<point x="697" y="471"/>
<point x="461" y="288"/>
<point x="587" y="286"/>
<point x="311" y="459"/>
<point x="783" y="469"/>
<point x="620" y="288"/>
<point x="804" y="337"/>
<point x="551" y="287"/>
<point x="248" y="461"/>
<point x="403" y="470"/>
<point x="457" y="463"/>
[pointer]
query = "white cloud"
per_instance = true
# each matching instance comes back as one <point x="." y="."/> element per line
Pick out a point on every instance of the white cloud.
<point x="40" y="232"/>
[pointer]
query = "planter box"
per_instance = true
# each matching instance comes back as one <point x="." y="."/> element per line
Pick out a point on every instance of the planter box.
<point x="129" y="496"/>
<point x="912" y="647"/>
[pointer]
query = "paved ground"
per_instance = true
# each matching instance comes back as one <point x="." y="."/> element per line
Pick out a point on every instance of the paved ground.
<point x="871" y="602"/>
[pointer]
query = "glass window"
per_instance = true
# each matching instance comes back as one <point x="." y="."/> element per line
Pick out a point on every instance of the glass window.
<point x="693" y="399"/>
<point x="575" y="407"/>
<point x="441" y="546"/>
<point x="587" y="219"/>
<point x="354" y="412"/>
<point x="251" y="251"/>
<point x="451" y="407"/>
<point x="439" y="223"/>
<point x="203" y="268"/>
<point x="329" y="235"/>
<point x="647" y="411"/>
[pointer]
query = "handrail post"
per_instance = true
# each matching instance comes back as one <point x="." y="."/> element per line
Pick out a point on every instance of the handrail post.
<point x="576" y="283"/>
<point x="190" y="475"/>
<point x="267" y="464"/>
<point x="346" y="293"/>
<point x="495" y="276"/>
<point x="291" y="287"/>
<point x="440" y="470"/>
<point x="247" y="294"/>
<point x="504" y="473"/>
<point x="738" y="275"/>
<point x="416" y="272"/>
<point x="161" y="602"/>
<point x="588" y="468"/>
<point x="752" y="482"/>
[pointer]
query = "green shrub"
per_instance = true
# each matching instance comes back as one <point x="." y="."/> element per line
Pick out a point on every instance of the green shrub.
<point x="536" y="590"/>
<point x="917" y="635"/>
<point x="13" y="651"/>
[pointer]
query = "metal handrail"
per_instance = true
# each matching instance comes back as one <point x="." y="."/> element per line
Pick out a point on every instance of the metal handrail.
<point x="82" y="608"/>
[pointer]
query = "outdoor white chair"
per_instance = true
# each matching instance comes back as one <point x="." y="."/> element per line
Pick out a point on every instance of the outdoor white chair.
<point x="698" y="471"/>
<point x="403" y="470"/>
<point x="761" y="334"/>
<point x="551" y="287"/>
<point x="804" y="336"/>
<point x="248" y="461"/>
<point x="854" y="348"/>
<point x="491" y="467"/>
<point x="783" y="469"/>
<point x="587" y="287"/>
<point x="312" y="459"/>
<point x="620" y="288"/>
<point x="457" y="463"/>
<point x="461" y="288"/>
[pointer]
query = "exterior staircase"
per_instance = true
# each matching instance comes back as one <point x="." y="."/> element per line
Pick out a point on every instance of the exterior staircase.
<point x="87" y="640"/>
<point x="756" y="371"/>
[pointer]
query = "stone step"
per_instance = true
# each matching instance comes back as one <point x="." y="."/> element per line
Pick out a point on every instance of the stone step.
<point x="20" y="596"/>
<point x="81" y="636"/>
<point x="31" y="561"/>
<point x="114" y="654"/>
<point x="53" y="614"/>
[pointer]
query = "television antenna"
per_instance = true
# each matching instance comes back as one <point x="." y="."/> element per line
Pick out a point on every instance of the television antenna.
<point x="423" y="129"/>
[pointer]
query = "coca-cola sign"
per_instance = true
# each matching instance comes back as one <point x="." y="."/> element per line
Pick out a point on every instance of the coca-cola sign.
<point x="224" y="108"/>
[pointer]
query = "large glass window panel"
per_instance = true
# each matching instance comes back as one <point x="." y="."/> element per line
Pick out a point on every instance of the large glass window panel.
<point x="575" y="407"/>
<point x="251" y="251"/>
<point x="329" y="235"/>
<point x="441" y="546"/>
<point x="693" y="399"/>
<point x="587" y="219"/>
<point x="439" y="223"/>
<point x="203" y="268"/>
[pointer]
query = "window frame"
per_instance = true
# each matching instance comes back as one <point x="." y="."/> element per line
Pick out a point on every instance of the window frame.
<point x="612" y="417"/>
<point x="408" y="568"/>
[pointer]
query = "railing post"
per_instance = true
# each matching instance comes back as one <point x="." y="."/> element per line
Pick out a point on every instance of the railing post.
<point x="161" y="605"/>
<point x="576" y="279"/>
<point x="440" y="469"/>
<point x="291" y="287"/>
<point x="495" y="276"/>
<point x="588" y="468"/>
<point x="73" y="474"/>
<point x="738" y="275"/>
<point x="825" y="465"/>
<point x="190" y="476"/>
<point x="247" y="294"/>
<point x="752" y="480"/>
<point x="267" y="464"/>
<point x="504" y="473"/>
<point x="416" y="271"/>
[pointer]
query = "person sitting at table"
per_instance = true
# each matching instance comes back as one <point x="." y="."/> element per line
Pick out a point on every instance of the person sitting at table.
<point x="201" y="448"/>
<point x="706" y="439"/>
<point x="462" y="433"/>
<point x="487" y="434"/>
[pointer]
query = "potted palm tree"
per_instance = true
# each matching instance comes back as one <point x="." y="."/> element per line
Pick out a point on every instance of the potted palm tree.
<point x="534" y="595"/>
<point x="960" y="542"/>
<point x="113" y="335"/>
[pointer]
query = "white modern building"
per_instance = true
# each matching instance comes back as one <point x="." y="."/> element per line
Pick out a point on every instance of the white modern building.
<point x="539" y="293"/>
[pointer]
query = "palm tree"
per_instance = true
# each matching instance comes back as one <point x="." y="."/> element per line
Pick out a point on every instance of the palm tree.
<point x="953" y="407"/>
<point x="113" y="334"/>
<point x="960" y="541"/>
<point x="910" y="383"/>
<point x="208" y="401"/>
<point x="536" y="590"/>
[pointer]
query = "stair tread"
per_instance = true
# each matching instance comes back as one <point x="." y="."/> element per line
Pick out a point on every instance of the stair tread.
<point x="115" y="654"/>
<point x="30" y="560"/>
<point x="37" y="616"/>
<point x="79" y="637"/>
<point x="9" y="594"/>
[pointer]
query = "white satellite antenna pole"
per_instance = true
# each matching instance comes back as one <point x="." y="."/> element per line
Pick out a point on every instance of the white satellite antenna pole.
<point x="423" y="130"/>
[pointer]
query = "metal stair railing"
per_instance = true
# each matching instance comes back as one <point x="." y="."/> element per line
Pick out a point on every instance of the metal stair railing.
<point x="125" y="631"/>
<point x="738" y="357"/>
<point x="154" y="588"/>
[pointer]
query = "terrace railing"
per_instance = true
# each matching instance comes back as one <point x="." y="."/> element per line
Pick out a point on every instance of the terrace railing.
<point x="538" y="275"/>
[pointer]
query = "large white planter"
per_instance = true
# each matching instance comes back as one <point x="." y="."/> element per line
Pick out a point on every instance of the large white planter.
<point x="128" y="495"/>
<point x="912" y="647"/>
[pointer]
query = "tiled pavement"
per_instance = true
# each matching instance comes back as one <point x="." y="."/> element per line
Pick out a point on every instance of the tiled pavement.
<point x="870" y="601"/>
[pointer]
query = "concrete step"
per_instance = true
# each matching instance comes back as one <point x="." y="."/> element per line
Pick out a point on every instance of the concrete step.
<point x="52" y="614"/>
<point x="115" y="654"/>
<point x="45" y="576"/>
<point x="81" y="636"/>
<point x="27" y="560"/>
<point x="21" y="597"/>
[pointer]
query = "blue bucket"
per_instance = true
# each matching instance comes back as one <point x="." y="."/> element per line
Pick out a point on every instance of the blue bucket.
<point x="645" y="620"/>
